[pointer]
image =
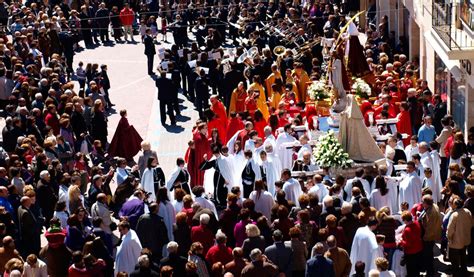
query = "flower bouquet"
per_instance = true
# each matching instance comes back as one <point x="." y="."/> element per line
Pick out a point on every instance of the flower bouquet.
<point x="329" y="153"/>
<point x="318" y="91"/>
<point x="361" y="88"/>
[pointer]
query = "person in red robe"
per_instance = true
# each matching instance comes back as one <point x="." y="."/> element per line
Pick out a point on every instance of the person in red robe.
<point x="243" y="136"/>
<point x="213" y="122"/>
<point x="259" y="124"/>
<point x="126" y="142"/>
<point x="219" y="109"/>
<point x="310" y="113"/>
<point x="282" y="118"/>
<point x="234" y="125"/>
<point x="366" y="108"/>
<point x="392" y="110"/>
<point x="201" y="147"/>
<point x="404" y="122"/>
<point x="251" y="104"/>
<point x="190" y="159"/>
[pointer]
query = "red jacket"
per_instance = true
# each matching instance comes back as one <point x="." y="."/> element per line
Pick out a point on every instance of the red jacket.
<point x="411" y="238"/>
<point x="204" y="235"/>
<point x="52" y="121"/>
<point x="127" y="16"/>
<point x="219" y="253"/>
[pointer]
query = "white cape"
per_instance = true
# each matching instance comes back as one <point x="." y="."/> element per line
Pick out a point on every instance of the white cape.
<point x="271" y="174"/>
<point x="285" y="154"/>
<point x="364" y="248"/>
<point x="238" y="162"/>
<point x="148" y="184"/>
<point x="410" y="190"/>
<point x="292" y="189"/>
<point x="127" y="253"/>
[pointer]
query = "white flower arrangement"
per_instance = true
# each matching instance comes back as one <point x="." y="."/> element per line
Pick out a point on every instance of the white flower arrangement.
<point x="361" y="88"/>
<point x="329" y="153"/>
<point x="318" y="91"/>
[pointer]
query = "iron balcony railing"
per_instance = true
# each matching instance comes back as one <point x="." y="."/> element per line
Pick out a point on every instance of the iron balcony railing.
<point x="446" y="23"/>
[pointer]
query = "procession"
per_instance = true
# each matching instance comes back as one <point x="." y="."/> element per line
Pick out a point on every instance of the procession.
<point x="263" y="138"/>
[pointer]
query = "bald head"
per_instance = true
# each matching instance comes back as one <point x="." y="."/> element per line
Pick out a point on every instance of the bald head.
<point x="331" y="241"/>
<point x="25" y="201"/>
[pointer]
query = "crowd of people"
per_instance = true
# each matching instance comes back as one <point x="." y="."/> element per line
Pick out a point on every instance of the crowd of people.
<point x="243" y="200"/>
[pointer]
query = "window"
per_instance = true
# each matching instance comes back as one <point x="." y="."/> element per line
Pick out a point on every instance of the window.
<point x="458" y="102"/>
<point x="467" y="12"/>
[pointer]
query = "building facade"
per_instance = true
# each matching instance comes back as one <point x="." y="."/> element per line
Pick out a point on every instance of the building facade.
<point x="440" y="33"/>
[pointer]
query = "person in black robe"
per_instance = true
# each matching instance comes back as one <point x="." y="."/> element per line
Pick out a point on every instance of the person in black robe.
<point x="220" y="189"/>
<point x="99" y="123"/>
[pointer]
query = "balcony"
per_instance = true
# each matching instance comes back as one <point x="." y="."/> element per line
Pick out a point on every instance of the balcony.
<point x="456" y="40"/>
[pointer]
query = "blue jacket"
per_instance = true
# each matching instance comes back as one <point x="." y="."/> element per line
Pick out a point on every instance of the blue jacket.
<point x="319" y="266"/>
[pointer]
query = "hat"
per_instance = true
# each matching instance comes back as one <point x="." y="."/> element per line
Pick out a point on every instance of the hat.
<point x="96" y="177"/>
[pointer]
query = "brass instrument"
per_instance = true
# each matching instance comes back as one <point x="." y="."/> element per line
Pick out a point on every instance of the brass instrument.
<point x="307" y="46"/>
<point x="279" y="50"/>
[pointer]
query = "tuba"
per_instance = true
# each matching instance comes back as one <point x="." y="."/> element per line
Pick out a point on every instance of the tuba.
<point x="279" y="50"/>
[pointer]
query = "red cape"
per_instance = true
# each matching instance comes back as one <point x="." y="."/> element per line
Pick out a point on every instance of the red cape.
<point x="259" y="126"/>
<point x="216" y="123"/>
<point x="126" y="141"/>
<point x="201" y="147"/>
<point x="221" y="113"/>
<point x="233" y="126"/>
<point x="404" y="125"/>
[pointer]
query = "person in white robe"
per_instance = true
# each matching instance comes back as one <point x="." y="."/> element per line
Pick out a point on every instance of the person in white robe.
<point x="364" y="247"/>
<point x="410" y="187"/>
<point x="392" y="186"/>
<point x="269" y="137"/>
<point x="437" y="183"/>
<point x="291" y="187"/>
<point x="168" y="213"/>
<point x="148" y="178"/>
<point x="319" y="188"/>
<point x="305" y="147"/>
<point x="426" y="160"/>
<point x="348" y="187"/>
<point x="179" y="176"/>
<point x="257" y="150"/>
<point x="263" y="199"/>
<point x="269" y="173"/>
<point x="285" y="154"/>
<point x="273" y="157"/>
<point x="379" y="197"/>
<point x="412" y="148"/>
<point x="128" y="251"/>
<point x="238" y="162"/>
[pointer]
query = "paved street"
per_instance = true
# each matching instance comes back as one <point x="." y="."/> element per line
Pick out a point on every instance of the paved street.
<point x="133" y="90"/>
